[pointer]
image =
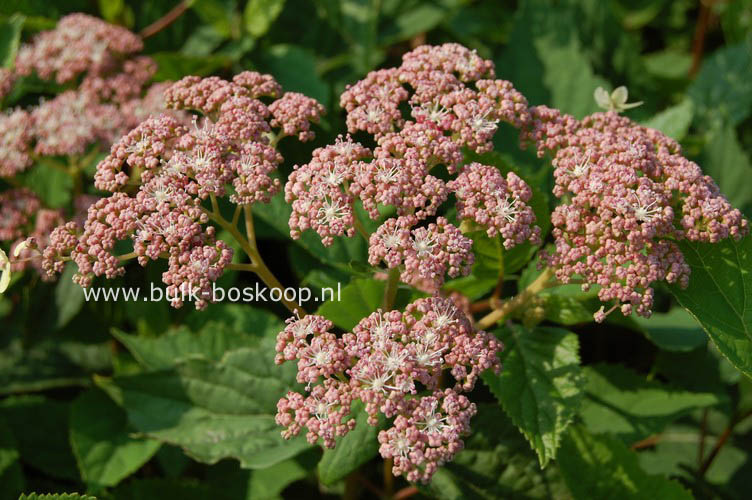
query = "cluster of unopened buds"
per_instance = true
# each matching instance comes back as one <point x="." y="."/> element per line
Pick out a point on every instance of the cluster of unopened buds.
<point x="106" y="92"/>
<point x="395" y="363"/>
<point x="629" y="196"/>
<point x="162" y="171"/>
<point x="454" y="103"/>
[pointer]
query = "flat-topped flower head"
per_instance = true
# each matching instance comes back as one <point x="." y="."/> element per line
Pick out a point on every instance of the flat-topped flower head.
<point x="630" y="196"/>
<point x="383" y="362"/>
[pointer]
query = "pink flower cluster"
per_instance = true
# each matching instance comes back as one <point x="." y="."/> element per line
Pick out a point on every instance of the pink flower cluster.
<point x="175" y="167"/>
<point x="452" y="108"/>
<point x="17" y="209"/>
<point x="424" y="254"/>
<point x="485" y="197"/>
<point x="630" y="196"/>
<point x="394" y="363"/>
<point x="79" y="44"/>
<point x="107" y="103"/>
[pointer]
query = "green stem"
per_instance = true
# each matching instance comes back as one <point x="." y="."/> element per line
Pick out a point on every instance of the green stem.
<point x="541" y="283"/>
<point x="249" y="228"/>
<point x="390" y="292"/>
<point x="359" y="226"/>
<point x="257" y="264"/>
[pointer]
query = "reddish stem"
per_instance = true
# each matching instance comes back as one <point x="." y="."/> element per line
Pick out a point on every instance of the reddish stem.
<point x="722" y="439"/>
<point x="406" y="493"/>
<point x="165" y="20"/>
<point x="698" y="42"/>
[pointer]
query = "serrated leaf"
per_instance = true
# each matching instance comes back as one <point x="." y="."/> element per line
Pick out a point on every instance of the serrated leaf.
<point x="540" y="386"/>
<point x="101" y="441"/>
<point x="229" y="327"/>
<point x="259" y="15"/>
<point x="351" y="451"/>
<point x="240" y="318"/>
<point x="496" y="462"/>
<point x="214" y="409"/>
<point x="673" y="121"/>
<point x="673" y="331"/>
<point x="723" y="90"/>
<point x="620" y="402"/>
<point x="719" y="295"/>
<point x="603" y="467"/>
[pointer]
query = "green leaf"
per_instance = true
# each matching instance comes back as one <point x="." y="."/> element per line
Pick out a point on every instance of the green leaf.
<point x="11" y="475"/>
<point x="546" y="61"/>
<point x="10" y="39"/>
<point x="603" y="467"/>
<point x="486" y="270"/>
<point x="214" y="409"/>
<point x="729" y="165"/>
<point x="111" y="9"/>
<point x="357" y="22"/>
<point x="670" y="64"/>
<point x="240" y="318"/>
<point x="173" y="65"/>
<point x="218" y="13"/>
<point x="69" y="296"/>
<point x="673" y="331"/>
<point x="540" y="386"/>
<point x="49" y="364"/>
<point x="40" y="427"/>
<point x="260" y="14"/>
<point x="295" y="69"/>
<point x="260" y="484"/>
<point x="621" y="402"/>
<point x="53" y="185"/>
<point x="354" y="302"/>
<point x="723" y="90"/>
<point x="214" y="339"/>
<point x="719" y="296"/>
<point x="353" y="450"/>
<point x="275" y="214"/>
<point x="496" y="462"/>
<point x="674" y="121"/>
<point x="101" y="441"/>
<point x="407" y="23"/>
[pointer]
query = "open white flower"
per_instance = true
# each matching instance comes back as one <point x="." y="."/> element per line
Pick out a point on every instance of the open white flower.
<point x="616" y="101"/>
<point x="5" y="270"/>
